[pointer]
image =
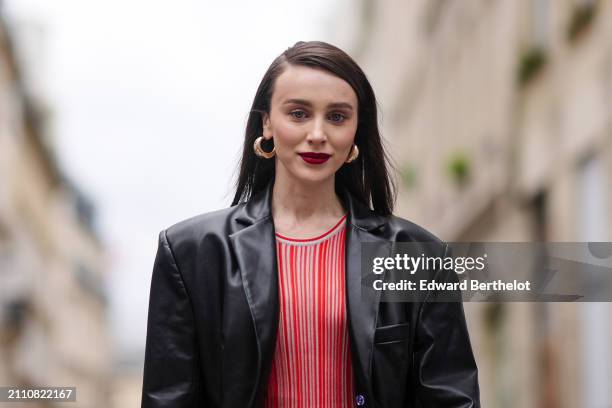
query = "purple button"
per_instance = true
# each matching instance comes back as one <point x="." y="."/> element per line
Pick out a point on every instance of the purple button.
<point x="360" y="400"/>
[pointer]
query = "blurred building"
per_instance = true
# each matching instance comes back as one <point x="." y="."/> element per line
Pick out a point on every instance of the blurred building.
<point x="499" y="114"/>
<point x="53" y="325"/>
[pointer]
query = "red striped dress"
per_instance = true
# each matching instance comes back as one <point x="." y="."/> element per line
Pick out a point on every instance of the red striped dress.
<point x="312" y="361"/>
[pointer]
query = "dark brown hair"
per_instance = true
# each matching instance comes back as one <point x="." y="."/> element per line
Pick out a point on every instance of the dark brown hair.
<point x="367" y="178"/>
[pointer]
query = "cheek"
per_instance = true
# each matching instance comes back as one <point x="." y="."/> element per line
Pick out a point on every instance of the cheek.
<point x="286" y="135"/>
<point x="345" y="137"/>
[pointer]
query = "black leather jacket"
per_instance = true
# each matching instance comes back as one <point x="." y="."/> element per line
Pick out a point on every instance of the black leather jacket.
<point x="214" y="313"/>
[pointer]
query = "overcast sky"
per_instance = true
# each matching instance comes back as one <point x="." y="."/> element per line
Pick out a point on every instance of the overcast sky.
<point x="149" y="101"/>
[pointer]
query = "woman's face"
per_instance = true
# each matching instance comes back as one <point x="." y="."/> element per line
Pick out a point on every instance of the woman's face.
<point x="313" y="121"/>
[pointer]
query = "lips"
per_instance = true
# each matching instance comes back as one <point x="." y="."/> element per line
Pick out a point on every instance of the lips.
<point x="315" y="158"/>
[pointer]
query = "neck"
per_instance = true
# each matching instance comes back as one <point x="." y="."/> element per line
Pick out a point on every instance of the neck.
<point x="303" y="201"/>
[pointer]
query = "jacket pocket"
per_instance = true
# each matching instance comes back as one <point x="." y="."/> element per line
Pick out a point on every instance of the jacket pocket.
<point x="391" y="365"/>
<point x="392" y="333"/>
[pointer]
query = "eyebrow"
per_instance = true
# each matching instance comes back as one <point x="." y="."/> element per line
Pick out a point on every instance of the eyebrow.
<point x="307" y="103"/>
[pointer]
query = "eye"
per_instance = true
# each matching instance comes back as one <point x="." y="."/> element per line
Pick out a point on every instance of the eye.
<point x="298" y="114"/>
<point x="337" y="117"/>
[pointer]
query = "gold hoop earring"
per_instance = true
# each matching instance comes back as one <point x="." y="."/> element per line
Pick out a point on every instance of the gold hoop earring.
<point x="353" y="155"/>
<point x="261" y="152"/>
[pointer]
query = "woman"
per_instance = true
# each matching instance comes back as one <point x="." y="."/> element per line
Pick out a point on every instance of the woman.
<point x="260" y="304"/>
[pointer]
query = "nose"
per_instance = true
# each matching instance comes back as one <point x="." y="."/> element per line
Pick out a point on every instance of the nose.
<point x="316" y="134"/>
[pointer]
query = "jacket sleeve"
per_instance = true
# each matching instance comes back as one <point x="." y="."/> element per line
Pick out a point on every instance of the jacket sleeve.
<point x="171" y="367"/>
<point x="446" y="371"/>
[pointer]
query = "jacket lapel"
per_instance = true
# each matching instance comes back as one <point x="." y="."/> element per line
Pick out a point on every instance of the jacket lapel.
<point x="362" y="302"/>
<point x="255" y="249"/>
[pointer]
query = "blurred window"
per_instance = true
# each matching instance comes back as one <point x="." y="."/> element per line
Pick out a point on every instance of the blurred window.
<point x="592" y="219"/>
<point x="540" y="23"/>
<point x="433" y="14"/>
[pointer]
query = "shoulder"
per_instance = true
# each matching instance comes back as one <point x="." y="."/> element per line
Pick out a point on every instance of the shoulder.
<point x="219" y="224"/>
<point x="418" y="238"/>
<point x="402" y="230"/>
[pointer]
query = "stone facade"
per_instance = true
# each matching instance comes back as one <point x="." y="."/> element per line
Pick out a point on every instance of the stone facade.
<point x="53" y="323"/>
<point x="499" y="116"/>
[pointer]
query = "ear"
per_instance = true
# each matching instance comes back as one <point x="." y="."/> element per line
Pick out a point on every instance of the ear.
<point x="267" y="129"/>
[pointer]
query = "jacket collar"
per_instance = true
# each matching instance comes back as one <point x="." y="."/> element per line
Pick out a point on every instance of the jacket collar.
<point x="254" y="247"/>
<point x="259" y="207"/>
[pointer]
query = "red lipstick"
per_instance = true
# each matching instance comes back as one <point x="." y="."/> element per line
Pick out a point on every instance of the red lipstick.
<point x="315" y="158"/>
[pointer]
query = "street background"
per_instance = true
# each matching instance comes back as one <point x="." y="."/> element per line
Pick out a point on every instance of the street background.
<point x="498" y="115"/>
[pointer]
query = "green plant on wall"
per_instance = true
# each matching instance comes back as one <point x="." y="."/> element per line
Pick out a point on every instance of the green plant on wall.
<point x="530" y="63"/>
<point x="582" y="17"/>
<point x="493" y="316"/>
<point x="458" y="167"/>
<point x="408" y="174"/>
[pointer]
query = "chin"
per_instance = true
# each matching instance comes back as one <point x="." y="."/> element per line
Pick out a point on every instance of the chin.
<point x="312" y="176"/>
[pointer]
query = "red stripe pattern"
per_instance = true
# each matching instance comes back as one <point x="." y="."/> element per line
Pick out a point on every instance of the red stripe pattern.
<point x="312" y="361"/>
